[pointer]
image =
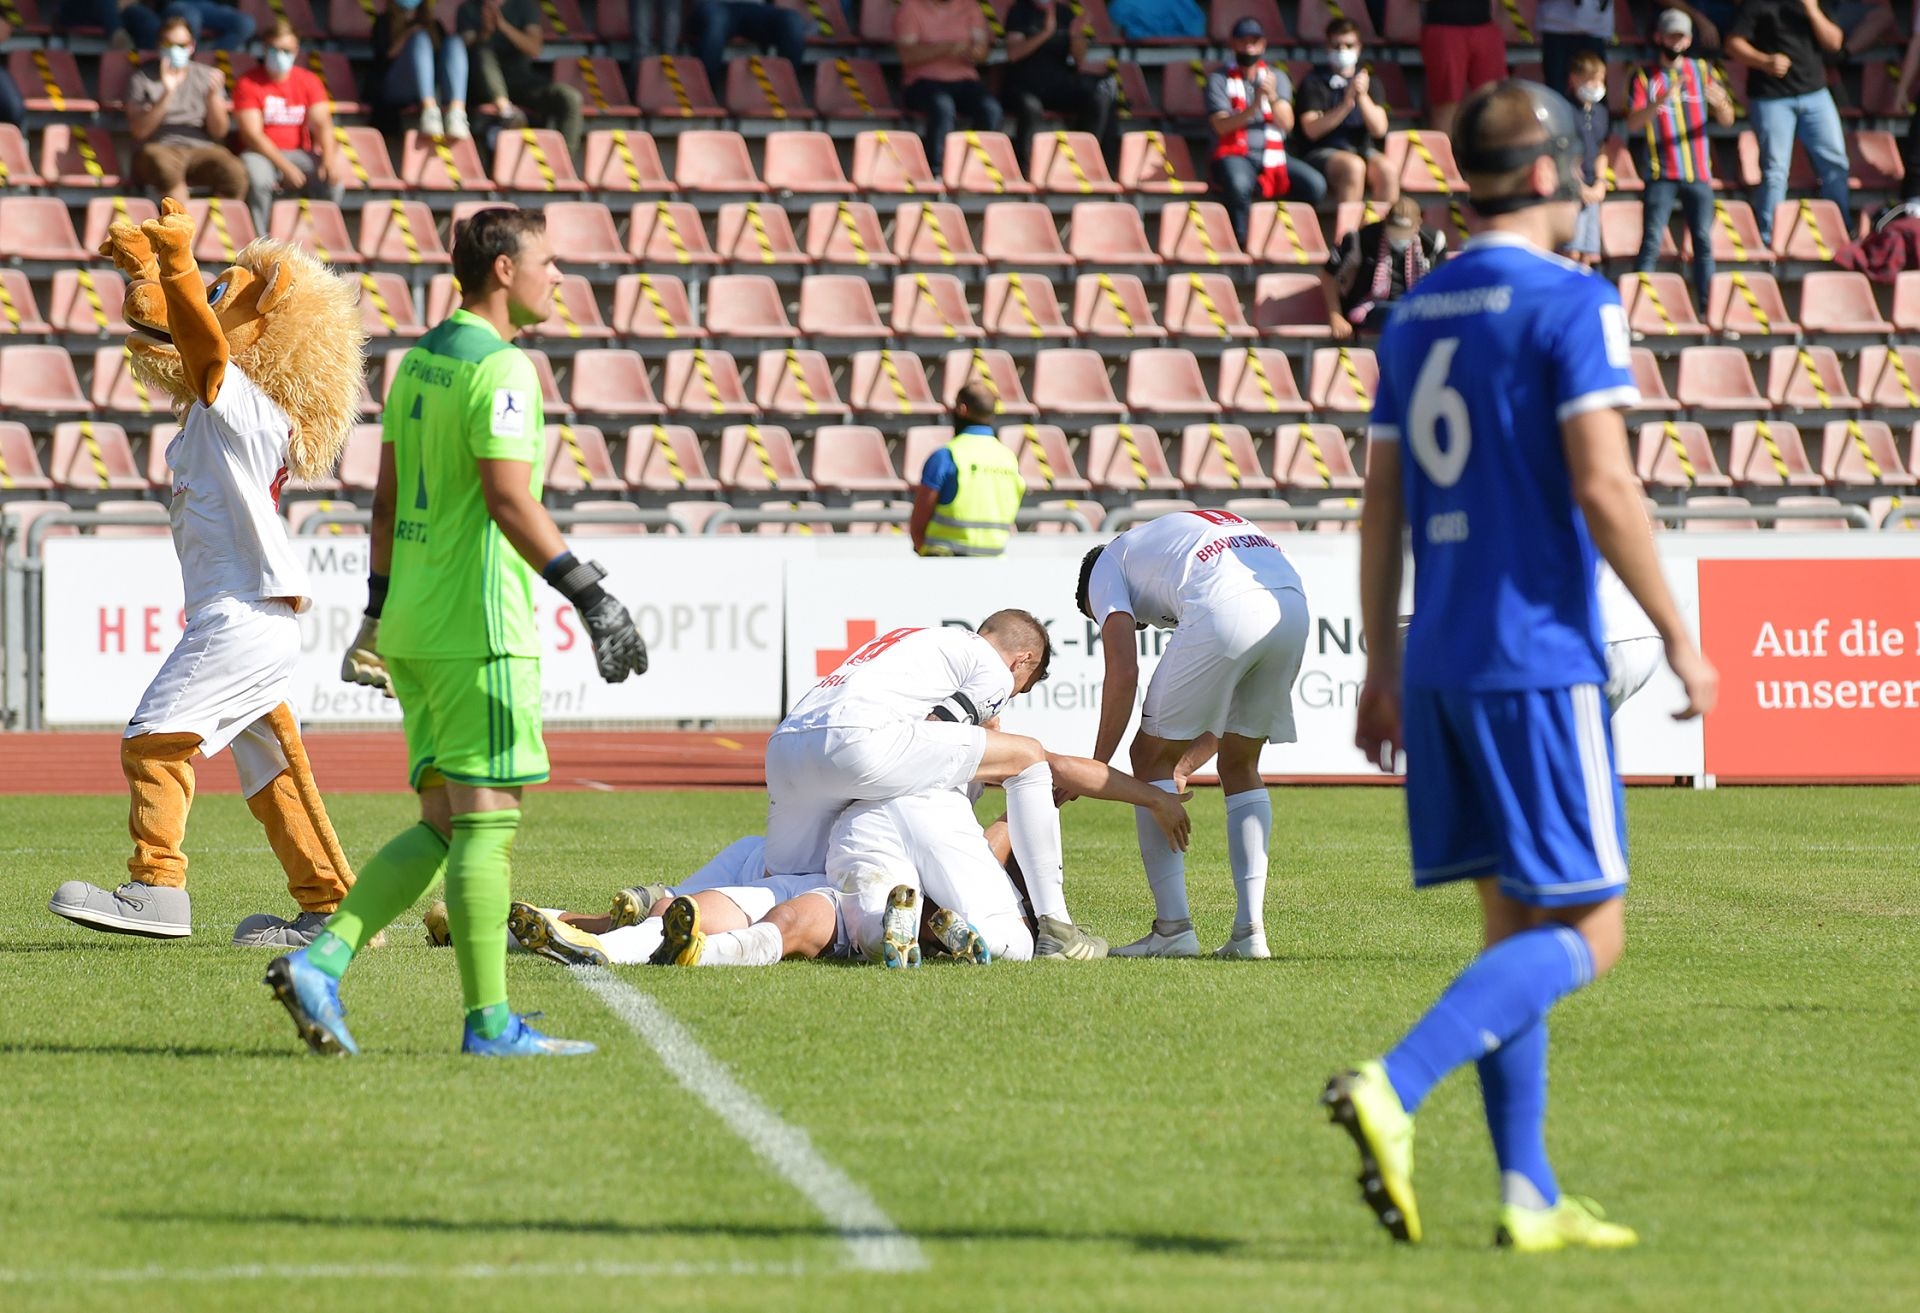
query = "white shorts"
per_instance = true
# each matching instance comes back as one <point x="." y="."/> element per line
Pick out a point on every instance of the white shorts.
<point x="1630" y="664"/>
<point x="813" y="774"/>
<point x="758" y="898"/>
<point x="1231" y="671"/>
<point x="741" y="862"/>
<point x="231" y="667"/>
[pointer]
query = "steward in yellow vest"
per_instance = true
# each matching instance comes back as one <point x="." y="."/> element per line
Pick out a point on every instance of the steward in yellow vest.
<point x="970" y="490"/>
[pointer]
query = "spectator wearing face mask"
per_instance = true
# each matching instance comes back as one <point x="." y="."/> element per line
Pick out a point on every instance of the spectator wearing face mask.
<point x="1668" y="105"/>
<point x="1587" y="91"/>
<point x="1376" y="265"/>
<point x="1047" y="70"/>
<point x="416" y="60"/>
<point x="1785" y="44"/>
<point x="1340" y="130"/>
<point x="285" y="126"/>
<point x="177" y="115"/>
<point x="1566" y="28"/>
<point x="1250" y="108"/>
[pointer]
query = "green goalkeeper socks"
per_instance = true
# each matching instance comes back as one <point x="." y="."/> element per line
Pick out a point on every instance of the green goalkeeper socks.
<point x="388" y="885"/>
<point x="479" y="872"/>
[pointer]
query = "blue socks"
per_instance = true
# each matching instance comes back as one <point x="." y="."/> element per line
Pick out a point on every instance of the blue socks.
<point x="1513" y="1088"/>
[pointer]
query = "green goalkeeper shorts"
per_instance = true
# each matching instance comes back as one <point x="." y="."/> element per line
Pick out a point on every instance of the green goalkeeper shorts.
<point x="471" y="720"/>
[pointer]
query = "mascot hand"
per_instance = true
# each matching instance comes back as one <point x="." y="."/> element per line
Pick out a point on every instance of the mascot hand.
<point x="171" y="236"/>
<point x="617" y="646"/>
<point x="130" y="251"/>
<point x="362" y="663"/>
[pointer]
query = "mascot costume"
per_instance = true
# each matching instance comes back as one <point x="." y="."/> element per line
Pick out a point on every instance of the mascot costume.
<point x="264" y="365"/>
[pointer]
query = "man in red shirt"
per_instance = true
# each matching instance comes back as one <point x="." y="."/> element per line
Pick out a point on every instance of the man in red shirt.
<point x="284" y="120"/>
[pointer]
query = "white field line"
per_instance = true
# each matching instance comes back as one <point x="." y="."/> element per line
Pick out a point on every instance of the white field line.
<point x="874" y="1243"/>
<point x="155" y="1274"/>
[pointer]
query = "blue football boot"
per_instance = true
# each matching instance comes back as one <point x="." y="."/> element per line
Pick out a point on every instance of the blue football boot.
<point x="312" y="998"/>
<point x="519" y="1040"/>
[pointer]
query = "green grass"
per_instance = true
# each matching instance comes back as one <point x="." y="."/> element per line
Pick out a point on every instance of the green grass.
<point x="1123" y="1134"/>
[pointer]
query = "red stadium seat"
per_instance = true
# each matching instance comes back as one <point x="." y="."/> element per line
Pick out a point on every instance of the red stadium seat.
<point x="757" y="234"/>
<point x="852" y="89"/>
<point x="839" y="306"/>
<point x="1156" y="163"/>
<point x="1717" y="378"/>
<point x="1653" y="387"/>
<point x="37" y="228"/>
<point x="1840" y="302"/>
<point x="534" y="160"/>
<point x="222" y="229"/>
<point x="700" y="382"/>
<point x="1072" y="381"/>
<point x="715" y="162"/>
<point x="75" y="155"/>
<point x="386" y="306"/>
<point x="983" y="164"/>
<point x="934" y="234"/>
<point x="1424" y="161"/>
<point x="621" y="518"/>
<point x="19" y="312"/>
<point x="1290" y="305"/>
<point x="1808" y="377"/>
<point x="1736" y="236"/>
<point x="760" y="458"/>
<point x="1113" y="306"/>
<point x="1183" y="91"/>
<point x="1674" y="454"/>
<point x="798" y="383"/>
<point x="853" y="458"/>
<point x="1770" y="454"/>
<point x="887" y="385"/>
<point x="1857" y="453"/>
<point x="848" y="233"/>
<point x="932" y="305"/>
<point x="1217" y="457"/>
<point x="1225" y="13"/>
<point x="576" y="314"/>
<point x="88" y="455"/>
<point x="622" y="161"/>
<point x="578" y="460"/>
<point x="892" y="163"/>
<point x="1199" y="233"/>
<point x="1617" y="168"/>
<point x="19" y="463"/>
<point x="1022" y="307"/>
<point x="666" y="458"/>
<point x="1109" y="233"/>
<point x="1837" y="522"/>
<point x="747" y="306"/>
<point x="1286" y="233"/>
<point x="601" y="85"/>
<point x="402" y="233"/>
<point x="1070" y="164"/>
<point x="1313" y="456"/>
<point x="1808" y="230"/>
<point x="1259" y="381"/>
<point x="1660" y="305"/>
<point x="1344" y="379"/>
<point x="1021" y="234"/>
<point x="359" y="464"/>
<point x="1164" y="381"/>
<point x="555" y="405"/>
<point x="1622" y="224"/>
<point x="996" y="369"/>
<point x="1906" y="301"/>
<point x="1128" y="458"/>
<point x="1890" y="377"/>
<point x="1205" y="306"/>
<point x="429" y="164"/>
<point x="369" y="167"/>
<point x="1748" y="304"/>
<point x="764" y="87"/>
<point x="1720" y="526"/>
<point x="1133" y="99"/>
<point x="654" y="307"/>
<point x="920" y="442"/>
<point x="116" y="389"/>
<point x="1046" y="461"/>
<point x="49" y="81"/>
<point x="16" y="165"/>
<point x="676" y="87"/>
<point x="584" y="233"/>
<point x="668" y="233"/>
<point x="806" y="164"/>
<point x="86" y="302"/>
<point x="315" y="226"/>
<point x="1314" y="15"/>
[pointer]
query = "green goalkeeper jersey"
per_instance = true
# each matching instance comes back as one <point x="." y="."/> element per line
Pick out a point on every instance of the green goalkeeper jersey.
<point x="463" y="395"/>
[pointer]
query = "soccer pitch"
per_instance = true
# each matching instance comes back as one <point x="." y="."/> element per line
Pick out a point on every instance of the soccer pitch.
<point x="1121" y="1134"/>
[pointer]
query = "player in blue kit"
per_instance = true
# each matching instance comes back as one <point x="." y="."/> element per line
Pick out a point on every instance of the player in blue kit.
<point x="1501" y="379"/>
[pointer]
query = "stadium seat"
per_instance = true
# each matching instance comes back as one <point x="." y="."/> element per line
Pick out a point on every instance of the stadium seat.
<point x="92" y="456"/>
<point x="1890" y="378"/>
<point x="1622" y="224"/>
<point x="1046" y="461"/>
<point x="1660" y="306"/>
<point x="1716" y="378"/>
<point x="430" y="164"/>
<point x="1716" y="525"/>
<point x="982" y="164"/>
<point x="839" y="306"/>
<point x="1344" y="380"/>
<point x="601" y="84"/>
<point x="1770" y="454"/>
<point x="1183" y="90"/>
<point x="934" y="234"/>
<point x="386" y="306"/>
<point x="666" y="458"/>
<point x="159" y="476"/>
<point x="1856" y="453"/>
<point x="715" y="162"/>
<point x="534" y="160"/>
<point x="1424" y="162"/>
<point x="315" y="226"/>
<point x="1837" y="522"/>
<point x="994" y="367"/>
<point x="853" y="458"/>
<point x="1073" y="381"/>
<point x="86" y="302"/>
<point x="622" y="161"/>
<point x="1873" y="156"/>
<point x="1205" y="306"/>
<point x="797" y="383"/>
<point x="805" y="163"/>
<point x="133" y="519"/>
<point x="1128" y="458"/>
<point x="1154" y="163"/>
<point x="760" y="458"/>
<point x="848" y="233"/>
<point x="1878" y="81"/>
<point x="578" y="460"/>
<point x="1133" y="99"/>
<point x="369" y="166"/>
<point x="1109" y="233"/>
<point x="1286" y="233"/>
<point x="747" y="306"/>
<point x="757" y="234"/>
<point x="765" y="87"/>
<point x="75" y="155"/>
<point x="654" y="308"/>
<point x="702" y="383"/>
<point x="611" y="381"/>
<point x="1090" y="511"/>
<point x="1313" y="456"/>
<point x="1113" y="305"/>
<point x="1677" y="454"/>
<point x="1906" y="301"/>
<point x="1840" y="302"/>
<point x="1223" y="14"/>
<point x="400" y="233"/>
<point x="794" y="526"/>
<point x="19" y="312"/>
<point x="1654" y="396"/>
<point x="1022" y="307"/>
<point x="1267" y="514"/>
<point x="1886" y="513"/>
<point x="920" y="442"/>
<point x="612" y="518"/>
<point x="117" y="390"/>
<point x="892" y="163"/>
<point x="1217" y="457"/>
<point x="552" y="402"/>
<point x="856" y="89"/>
<point x="359" y="464"/>
<point x="585" y="234"/>
<point x="1290" y="305"/>
<point x="886" y="386"/>
<point x="19" y="463"/>
<point x="674" y="87"/>
<point x="1808" y="231"/>
<point x="1258" y="381"/>
<point x="222" y="229"/>
<point x="1745" y="303"/>
<point x="1199" y="233"/>
<point x="16" y="163"/>
<point x="49" y="80"/>
<point x="37" y="228"/>
<point x="670" y="233"/>
<point x="1808" y="378"/>
<point x="930" y="305"/>
<point x="1021" y="234"/>
<point x="1736" y="236"/>
<point x="1166" y="381"/>
<point x="1070" y="164"/>
<point x="1515" y="18"/>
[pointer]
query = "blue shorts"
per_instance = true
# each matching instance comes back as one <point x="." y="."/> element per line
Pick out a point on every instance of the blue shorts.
<point x="1516" y="785"/>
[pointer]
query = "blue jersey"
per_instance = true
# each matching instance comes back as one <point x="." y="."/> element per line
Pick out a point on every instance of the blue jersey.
<point x="1479" y="366"/>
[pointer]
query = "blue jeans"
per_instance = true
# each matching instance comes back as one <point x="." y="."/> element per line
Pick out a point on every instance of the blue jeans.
<point x="758" y="23"/>
<point x="411" y="77"/>
<point x="1237" y="181"/>
<point x="224" y="27"/>
<point x="1816" y="120"/>
<point x="1696" y="203"/>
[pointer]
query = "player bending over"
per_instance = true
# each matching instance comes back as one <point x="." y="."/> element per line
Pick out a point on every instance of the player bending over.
<point x="1502" y="378"/>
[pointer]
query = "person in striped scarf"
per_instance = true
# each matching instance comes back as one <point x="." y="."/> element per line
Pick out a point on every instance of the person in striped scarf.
<point x="1667" y="111"/>
<point x="1250" y="106"/>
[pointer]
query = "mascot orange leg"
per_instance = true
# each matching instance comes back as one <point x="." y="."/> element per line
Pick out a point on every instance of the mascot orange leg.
<point x="153" y="902"/>
<point x="295" y="819"/>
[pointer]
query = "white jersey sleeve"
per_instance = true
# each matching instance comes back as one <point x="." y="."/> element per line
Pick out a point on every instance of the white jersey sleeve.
<point x="1184" y="565"/>
<point x="904" y="675"/>
<point x="1107" y="592"/>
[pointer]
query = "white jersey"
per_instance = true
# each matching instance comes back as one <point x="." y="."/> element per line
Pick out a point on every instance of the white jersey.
<point x="229" y="463"/>
<point x="1184" y="565"/>
<point x="1620" y="616"/>
<point x="903" y="676"/>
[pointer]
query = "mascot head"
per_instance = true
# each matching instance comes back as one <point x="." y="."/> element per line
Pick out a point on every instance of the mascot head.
<point x="278" y="314"/>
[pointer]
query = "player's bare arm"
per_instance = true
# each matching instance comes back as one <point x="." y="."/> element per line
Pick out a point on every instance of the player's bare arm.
<point x="1122" y="683"/>
<point x="1082" y="777"/>
<point x="1382" y="518"/>
<point x="1609" y="494"/>
<point x="362" y="663"/>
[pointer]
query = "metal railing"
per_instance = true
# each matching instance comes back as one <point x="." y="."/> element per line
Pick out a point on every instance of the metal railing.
<point x="1855" y="516"/>
<point x="316" y="524"/>
<point x="1259" y="512"/>
<point x="840" y="517"/>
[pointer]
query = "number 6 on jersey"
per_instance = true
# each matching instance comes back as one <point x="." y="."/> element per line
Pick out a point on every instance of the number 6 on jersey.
<point x="1434" y="403"/>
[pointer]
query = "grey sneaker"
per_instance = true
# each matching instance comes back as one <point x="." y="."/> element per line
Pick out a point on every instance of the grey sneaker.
<point x="264" y="930"/>
<point x="553" y="939"/>
<point x="630" y="906"/>
<point x="133" y="909"/>
<point x="1065" y="939"/>
<point x="1250" y="944"/>
<point x="1166" y="939"/>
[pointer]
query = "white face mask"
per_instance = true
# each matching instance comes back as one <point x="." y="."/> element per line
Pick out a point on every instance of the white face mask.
<point x="178" y="56"/>
<point x="1590" y="95"/>
<point x="1345" y="61"/>
<point x="279" y="62"/>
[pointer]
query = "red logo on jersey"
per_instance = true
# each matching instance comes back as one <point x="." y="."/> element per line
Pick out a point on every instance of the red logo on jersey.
<point x="861" y="646"/>
<point x="279" y="482"/>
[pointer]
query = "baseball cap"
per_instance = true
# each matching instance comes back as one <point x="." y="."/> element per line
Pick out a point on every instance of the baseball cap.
<point x="1676" y="22"/>
<point x="1249" y="29"/>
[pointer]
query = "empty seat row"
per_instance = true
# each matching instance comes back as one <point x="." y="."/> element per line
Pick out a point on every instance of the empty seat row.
<point x="1718" y="381"/>
<point x="1766" y="453"/>
<point x="1837" y="303"/>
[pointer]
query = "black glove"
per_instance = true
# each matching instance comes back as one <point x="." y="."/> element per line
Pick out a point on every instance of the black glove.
<point x="617" y="646"/>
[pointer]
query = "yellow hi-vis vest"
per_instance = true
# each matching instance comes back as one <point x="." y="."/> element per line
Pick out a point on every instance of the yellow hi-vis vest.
<point x="980" y="516"/>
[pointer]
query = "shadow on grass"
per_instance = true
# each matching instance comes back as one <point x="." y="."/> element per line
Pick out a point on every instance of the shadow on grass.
<point x="1145" y="1241"/>
<point x="8" y="1048"/>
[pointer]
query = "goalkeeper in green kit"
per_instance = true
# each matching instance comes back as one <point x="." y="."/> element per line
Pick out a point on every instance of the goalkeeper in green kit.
<point x="458" y="536"/>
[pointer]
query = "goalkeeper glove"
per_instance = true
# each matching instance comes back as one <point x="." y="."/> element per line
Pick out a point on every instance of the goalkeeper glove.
<point x="362" y="663"/>
<point x="617" y="646"/>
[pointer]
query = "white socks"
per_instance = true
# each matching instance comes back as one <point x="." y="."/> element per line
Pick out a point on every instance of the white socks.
<point x="759" y="945"/>
<point x="1249" y="822"/>
<point x="1033" y="823"/>
<point x="632" y="945"/>
<point x="1166" y="869"/>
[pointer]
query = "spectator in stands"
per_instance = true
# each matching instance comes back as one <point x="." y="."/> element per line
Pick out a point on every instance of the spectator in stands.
<point x="942" y="45"/>
<point x="1147" y="19"/>
<point x="12" y="108"/>
<point x="1566" y="28"/>
<point x="177" y="114"/>
<point x="757" y="22"/>
<point x="506" y="37"/>
<point x="1667" y="111"/>
<point x="1341" y="126"/>
<point x="970" y="490"/>
<point x="285" y="120"/>
<point x="656" y="29"/>
<point x="1782" y="42"/>
<point x="1586" y="86"/>
<point x="1903" y="91"/>
<point x="1376" y="265"/>
<point x="225" y="27"/>
<point x="1251" y="109"/>
<point x="1710" y="19"/>
<point x="1462" y="50"/>
<point x="415" y="59"/>
<point x="1047" y="70"/>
